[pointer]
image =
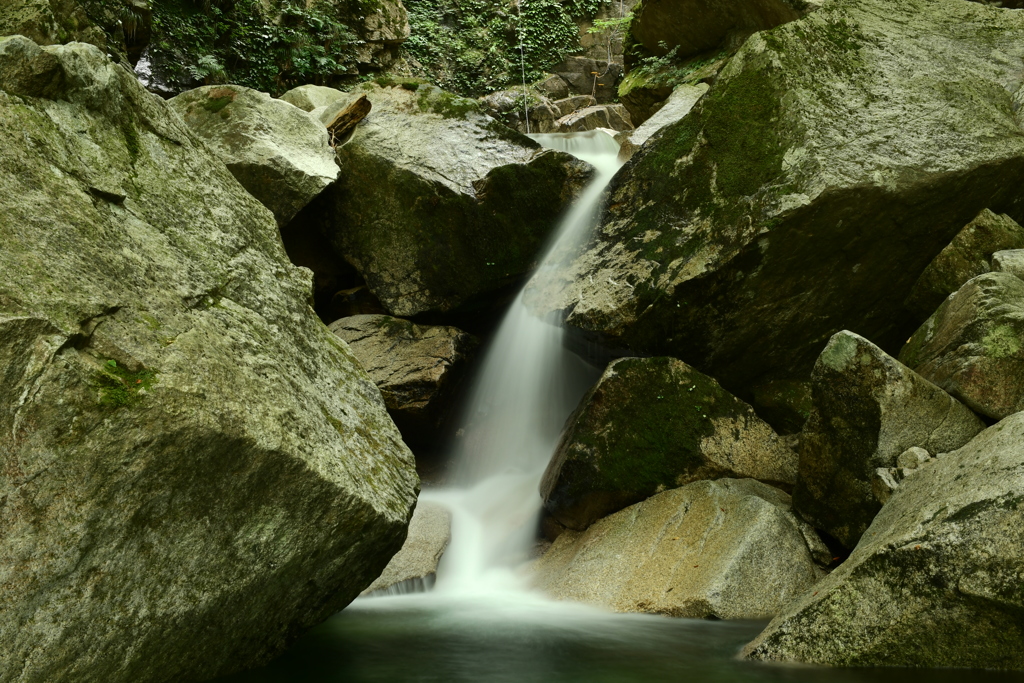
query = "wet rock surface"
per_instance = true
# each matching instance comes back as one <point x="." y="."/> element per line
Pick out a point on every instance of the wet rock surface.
<point x="867" y="409"/>
<point x="650" y="424"/>
<point x="934" y="582"/>
<point x="973" y="347"/>
<point x="187" y="448"/>
<point x="728" y="549"/>
<point x="278" y="153"/>
<point x="414" y="567"/>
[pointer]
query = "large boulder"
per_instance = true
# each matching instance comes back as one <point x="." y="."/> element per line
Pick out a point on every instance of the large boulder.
<point x="691" y="27"/>
<point x="1010" y="261"/>
<point x="867" y="409"/>
<point x="807" y="191"/>
<point x="968" y="255"/>
<point x="416" y="367"/>
<point x="730" y="549"/>
<point x="438" y="206"/>
<point x="973" y="347"/>
<point x="413" y="569"/>
<point x="651" y="424"/>
<point x="194" y="469"/>
<point x="936" y="580"/>
<point x="278" y="153"/>
<point x="607" y="116"/>
<point x="310" y="97"/>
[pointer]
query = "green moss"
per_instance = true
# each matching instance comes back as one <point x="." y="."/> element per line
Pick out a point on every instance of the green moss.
<point x="395" y="326"/>
<point x="1002" y="341"/>
<point x="448" y="105"/>
<point x="215" y="104"/>
<point x="120" y="387"/>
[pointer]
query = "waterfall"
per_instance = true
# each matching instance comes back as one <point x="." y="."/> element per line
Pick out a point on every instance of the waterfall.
<point x="527" y="387"/>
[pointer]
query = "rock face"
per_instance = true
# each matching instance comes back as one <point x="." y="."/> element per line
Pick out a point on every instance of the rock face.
<point x="968" y="255"/>
<point x="1011" y="261"/>
<point x="694" y="26"/>
<point x="187" y="448"/>
<point x="414" y="567"/>
<point x="610" y="116"/>
<point x="279" y="154"/>
<point x="416" y="367"/>
<point x="867" y="410"/>
<point x="650" y="424"/>
<point x="746" y="234"/>
<point x="383" y="30"/>
<point x="935" y="582"/>
<point x="973" y="347"/>
<point x="438" y="205"/>
<point x="730" y="549"/>
<point x="678" y="105"/>
<point x="310" y="97"/>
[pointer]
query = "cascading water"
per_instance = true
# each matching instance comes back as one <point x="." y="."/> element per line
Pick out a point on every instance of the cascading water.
<point x="526" y="389"/>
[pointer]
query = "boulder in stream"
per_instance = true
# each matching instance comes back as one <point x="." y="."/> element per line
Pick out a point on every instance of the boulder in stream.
<point x="807" y="191"/>
<point x="867" y="409"/>
<point x="416" y="367"/>
<point x="194" y="470"/>
<point x="278" y="153"/>
<point x="729" y="549"/>
<point x="973" y="347"/>
<point x="439" y="206"/>
<point x="651" y="424"/>
<point x="413" y="569"/>
<point x="936" y="579"/>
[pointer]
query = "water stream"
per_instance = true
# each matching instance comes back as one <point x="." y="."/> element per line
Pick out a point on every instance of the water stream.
<point x="481" y="622"/>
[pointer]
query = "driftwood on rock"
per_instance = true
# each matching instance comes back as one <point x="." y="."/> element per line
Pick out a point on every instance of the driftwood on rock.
<point x="347" y="118"/>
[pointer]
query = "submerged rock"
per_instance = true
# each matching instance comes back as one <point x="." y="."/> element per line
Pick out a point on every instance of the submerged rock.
<point x="807" y="191"/>
<point x="279" y="154"/>
<point x="934" y="582"/>
<point x="730" y="549"/>
<point x="650" y="424"/>
<point x="968" y="255"/>
<point x="973" y="347"/>
<point x="416" y="367"/>
<point x="194" y="470"/>
<point x="867" y="410"/>
<point x="414" y="568"/>
<point x="439" y="206"/>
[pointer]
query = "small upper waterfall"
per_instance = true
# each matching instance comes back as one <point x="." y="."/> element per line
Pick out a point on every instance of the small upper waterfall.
<point x="527" y="387"/>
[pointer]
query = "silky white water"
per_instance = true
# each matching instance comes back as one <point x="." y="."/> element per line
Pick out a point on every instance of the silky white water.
<point x="527" y="387"/>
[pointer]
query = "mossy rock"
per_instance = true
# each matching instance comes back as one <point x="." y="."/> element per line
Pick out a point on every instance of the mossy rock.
<point x="651" y="424"/>
<point x="973" y="346"/>
<point x="830" y="162"/>
<point x="187" y="448"/>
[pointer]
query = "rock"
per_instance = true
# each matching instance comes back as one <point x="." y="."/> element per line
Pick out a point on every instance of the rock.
<point x="310" y="97"/>
<point x="742" y="237"/>
<point x="867" y="410"/>
<point x="278" y="153"/>
<point x="607" y="43"/>
<point x="644" y="91"/>
<point x="594" y="77"/>
<point x="1010" y="261"/>
<point x="553" y="87"/>
<point x="973" y="347"/>
<point x="729" y="549"/>
<point x="416" y="367"/>
<point x="194" y="470"/>
<point x="49" y="22"/>
<point x="414" y="567"/>
<point x="968" y="255"/>
<point x="691" y="27"/>
<point x="785" y="405"/>
<point x="383" y="31"/>
<point x="650" y="424"/>
<point x="508" y="107"/>
<point x="572" y="104"/>
<point x="935" y="582"/>
<point x="678" y="105"/>
<point x="439" y="206"/>
<point x="609" y="116"/>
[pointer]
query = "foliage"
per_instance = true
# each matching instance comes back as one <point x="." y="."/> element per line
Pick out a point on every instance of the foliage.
<point x="119" y="387"/>
<point x="473" y="46"/>
<point x="211" y="41"/>
<point x="668" y="70"/>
